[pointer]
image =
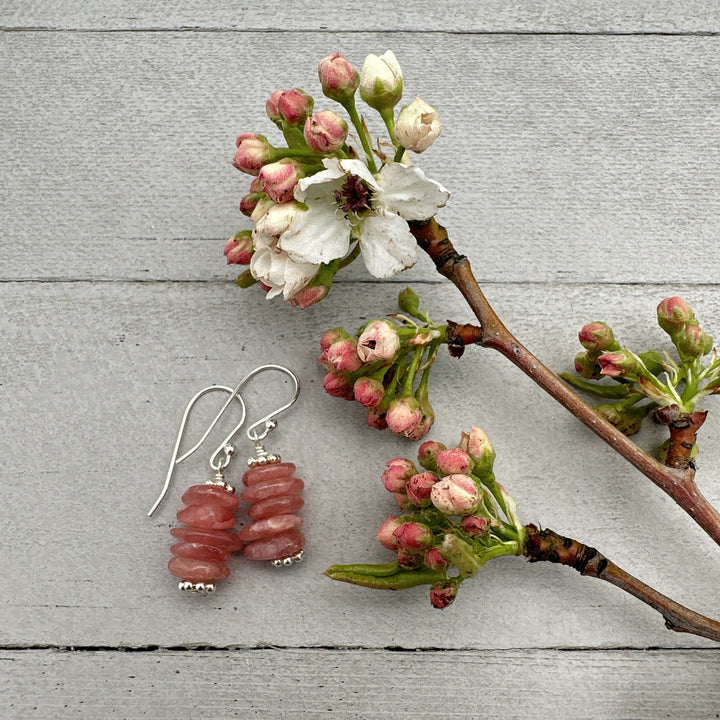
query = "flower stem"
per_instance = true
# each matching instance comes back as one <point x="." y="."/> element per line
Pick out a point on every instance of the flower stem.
<point x="549" y="546"/>
<point x="361" y="130"/>
<point x="678" y="483"/>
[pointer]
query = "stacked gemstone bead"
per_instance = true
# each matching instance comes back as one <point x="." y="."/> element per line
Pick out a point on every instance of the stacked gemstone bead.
<point x="274" y="493"/>
<point x="206" y="541"/>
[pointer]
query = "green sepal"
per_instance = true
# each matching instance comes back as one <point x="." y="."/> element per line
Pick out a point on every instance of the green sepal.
<point x="653" y="361"/>
<point x="245" y="279"/>
<point x="409" y="303"/>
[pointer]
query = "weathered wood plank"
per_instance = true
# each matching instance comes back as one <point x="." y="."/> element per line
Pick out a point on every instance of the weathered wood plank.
<point x="514" y="685"/>
<point x="571" y="159"/>
<point x="557" y="16"/>
<point x="93" y="381"/>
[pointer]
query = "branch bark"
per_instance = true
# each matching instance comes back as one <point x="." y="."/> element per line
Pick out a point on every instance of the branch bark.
<point x="547" y="545"/>
<point x="677" y="482"/>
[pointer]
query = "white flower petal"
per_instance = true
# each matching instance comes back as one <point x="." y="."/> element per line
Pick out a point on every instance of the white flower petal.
<point x="387" y="245"/>
<point x="405" y="190"/>
<point x="268" y="267"/>
<point x="262" y="241"/>
<point x="307" y="187"/>
<point x="276" y="270"/>
<point x="317" y="235"/>
<point x="278" y="218"/>
<point x="360" y="169"/>
<point x="297" y="276"/>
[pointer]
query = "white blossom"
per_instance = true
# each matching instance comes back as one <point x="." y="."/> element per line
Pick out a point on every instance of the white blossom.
<point x="346" y="203"/>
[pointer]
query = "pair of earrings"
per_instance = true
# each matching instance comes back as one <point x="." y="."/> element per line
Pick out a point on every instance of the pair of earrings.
<point x="271" y="488"/>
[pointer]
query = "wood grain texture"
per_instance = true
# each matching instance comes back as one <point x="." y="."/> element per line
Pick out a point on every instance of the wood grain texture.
<point x="571" y="159"/>
<point x="278" y="684"/>
<point x="102" y="372"/>
<point x="580" y="145"/>
<point x="534" y="16"/>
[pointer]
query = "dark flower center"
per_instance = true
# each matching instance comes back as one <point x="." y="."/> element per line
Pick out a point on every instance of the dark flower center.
<point x="354" y="196"/>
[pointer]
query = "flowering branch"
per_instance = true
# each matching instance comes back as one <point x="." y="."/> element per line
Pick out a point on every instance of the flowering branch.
<point x="457" y="517"/>
<point x="677" y="482"/>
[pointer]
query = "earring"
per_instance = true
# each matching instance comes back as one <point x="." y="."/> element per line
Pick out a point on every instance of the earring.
<point x="206" y="540"/>
<point x="273" y="492"/>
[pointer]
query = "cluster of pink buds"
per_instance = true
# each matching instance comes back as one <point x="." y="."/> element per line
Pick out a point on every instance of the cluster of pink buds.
<point x="309" y="198"/>
<point x="648" y="382"/>
<point x="455" y="517"/>
<point x="386" y="368"/>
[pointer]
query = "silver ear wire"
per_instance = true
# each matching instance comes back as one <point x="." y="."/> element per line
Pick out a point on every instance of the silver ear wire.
<point x="268" y="421"/>
<point x="175" y="460"/>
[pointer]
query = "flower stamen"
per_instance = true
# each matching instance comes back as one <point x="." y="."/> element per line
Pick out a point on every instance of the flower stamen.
<point x="354" y="196"/>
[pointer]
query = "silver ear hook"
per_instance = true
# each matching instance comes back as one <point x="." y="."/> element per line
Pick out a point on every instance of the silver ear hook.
<point x="268" y="420"/>
<point x="175" y="460"/>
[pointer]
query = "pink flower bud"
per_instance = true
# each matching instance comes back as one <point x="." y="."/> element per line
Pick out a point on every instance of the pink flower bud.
<point x="417" y="126"/>
<point x="434" y="560"/>
<point x="239" y="248"/>
<point x="271" y="107"/>
<point x="456" y="495"/>
<point x="378" y="341"/>
<point x="398" y="472"/>
<point x="586" y="367"/>
<point x="294" y="106"/>
<point x="596" y="337"/>
<point x="418" y="488"/>
<point x="253" y="151"/>
<point x="307" y="296"/>
<point x="473" y="525"/>
<point x="478" y="446"/>
<point x="617" y="364"/>
<point x="325" y="132"/>
<point x="409" y="559"/>
<point x="278" y="179"/>
<point x="427" y="453"/>
<point x="386" y="535"/>
<point x="249" y="202"/>
<point x="368" y="391"/>
<point x="343" y="355"/>
<point x="453" y="461"/>
<point x="443" y="593"/>
<point x="402" y="500"/>
<point x="673" y="313"/>
<point x="427" y="418"/>
<point x="332" y="336"/>
<point x="337" y="385"/>
<point x="692" y="342"/>
<point x="403" y="415"/>
<point x="413" y="536"/>
<point x="376" y="417"/>
<point x="339" y="79"/>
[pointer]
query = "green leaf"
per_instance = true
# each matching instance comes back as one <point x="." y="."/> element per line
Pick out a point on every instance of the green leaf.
<point x="383" y="577"/>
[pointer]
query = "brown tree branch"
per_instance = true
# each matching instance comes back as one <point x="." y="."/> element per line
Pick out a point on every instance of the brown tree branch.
<point x="549" y="546"/>
<point x="678" y="483"/>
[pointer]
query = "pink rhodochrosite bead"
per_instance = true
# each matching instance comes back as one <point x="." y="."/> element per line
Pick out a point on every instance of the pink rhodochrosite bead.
<point x="198" y="571"/>
<point x="275" y="506"/>
<point x="274" y="494"/>
<point x="271" y="526"/>
<point x="275" y="548"/>
<point x="272" y="487"/>
<point x="274" y="470"/>
<point x="206" y="541"/>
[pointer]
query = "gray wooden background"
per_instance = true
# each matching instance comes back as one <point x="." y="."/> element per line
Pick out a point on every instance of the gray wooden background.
<point x="581" y="145"/>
